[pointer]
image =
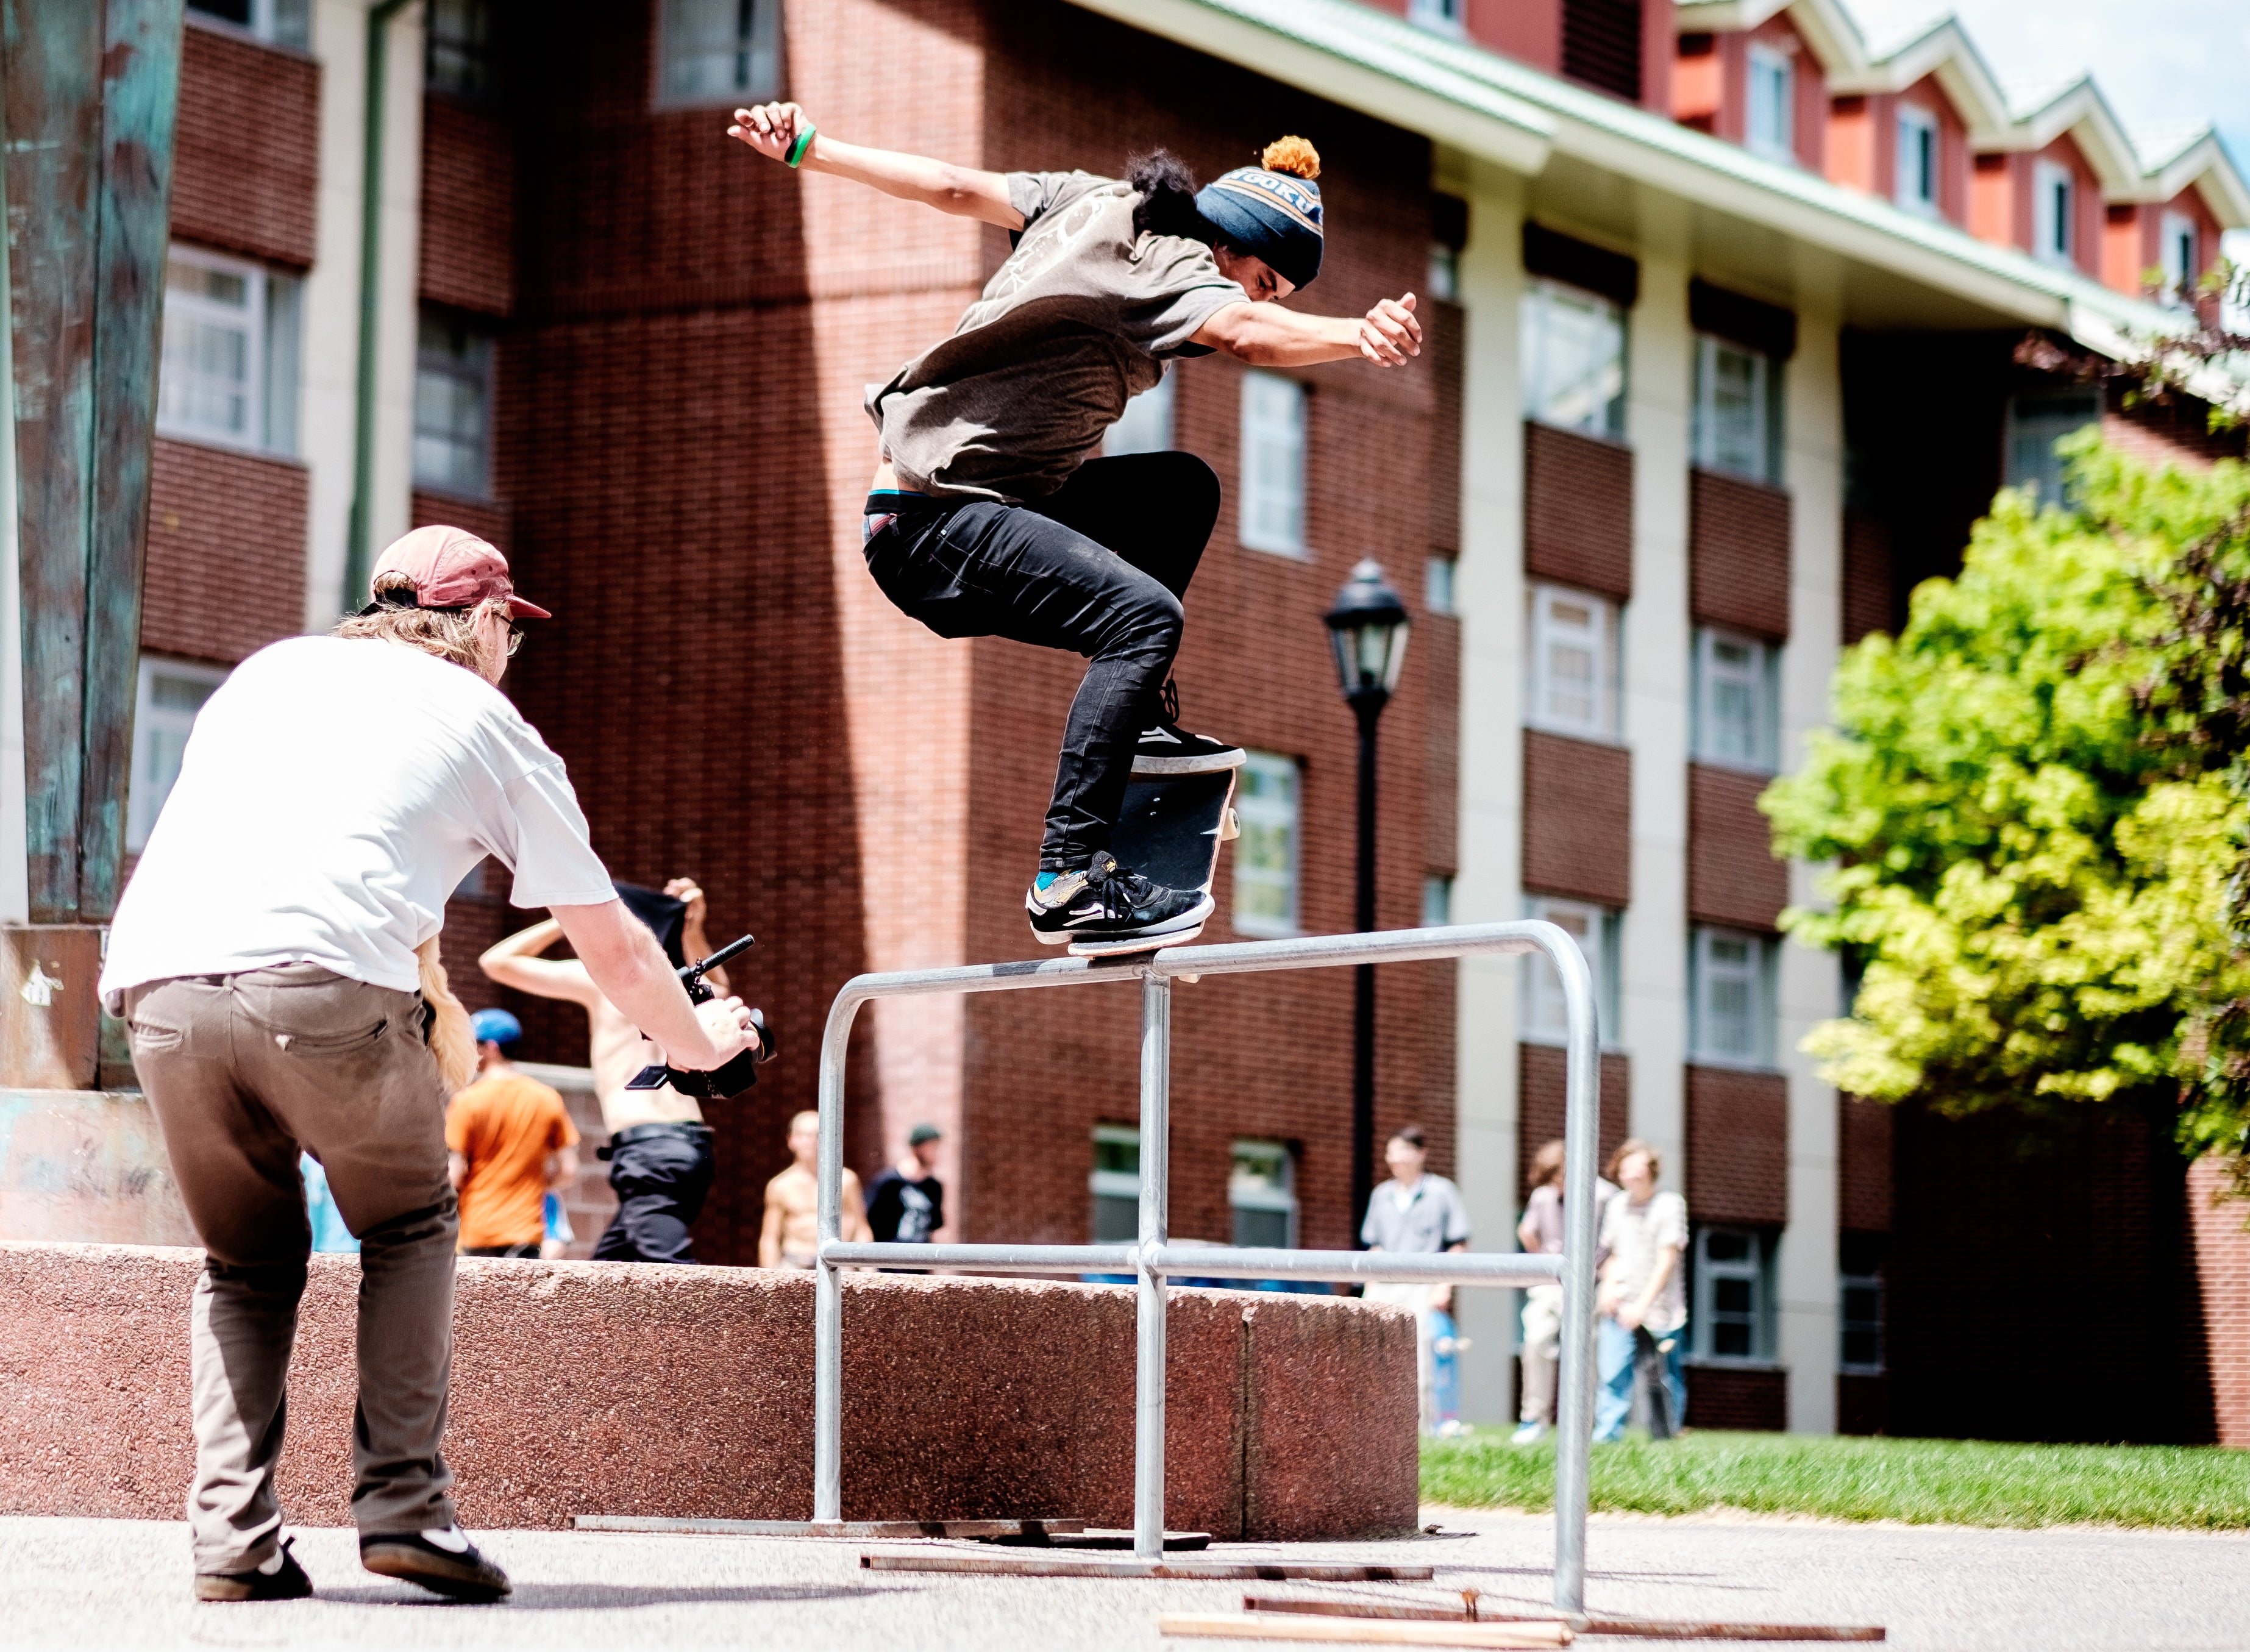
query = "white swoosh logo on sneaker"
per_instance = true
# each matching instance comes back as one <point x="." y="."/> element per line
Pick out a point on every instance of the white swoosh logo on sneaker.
<point x="1159" y="735"/>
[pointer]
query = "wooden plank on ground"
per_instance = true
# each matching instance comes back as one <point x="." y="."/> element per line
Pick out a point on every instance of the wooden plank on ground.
<point x="860" y="1528"/>
<point x="1470" y="1610"/>
<point x="1055" y="1566"/>
<point x="1267" y="1626"/>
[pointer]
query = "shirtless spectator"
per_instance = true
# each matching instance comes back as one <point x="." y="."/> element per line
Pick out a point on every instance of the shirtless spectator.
<point x="660" y="1159"/>
<point x="792" y="1225"/>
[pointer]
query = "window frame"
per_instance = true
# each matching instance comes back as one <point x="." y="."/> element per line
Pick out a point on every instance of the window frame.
<point x="1920" y="130"/>
<point x="1260" y="433"/>
<point x="2013" y="434"/>
<point x="2054" y="213"/>
<point x="1252" y="813"/>
<point x="150" y="723"/>
<point x="1703" y="1272"/>
<point x="765" y="35"/>
<point x="1764" y="676"/>
<point x="1780" y="72"/>
<point x="1113" y="1185"/>
<point x="252" y="322"/>
<point x="1538" y="691"/>
<point x="267" y="24"/>
<point x="1848" y="1281"/>
<point x="1703" y="1051"/>
<point x="1437" y="899"/>
<point x="1441" y="586"/>
<point x="1542" y="296"/>
<point x="1541" y="990"/>
<point x="1439" y="17"/>
<point x="475" y="55"/>
<point x="1767" y="378"/>
<point x="1159" y="407"/>
<point x="1262" y="1199"/>
<point x="2179" y="250"/>
<point x="449" y="366"/>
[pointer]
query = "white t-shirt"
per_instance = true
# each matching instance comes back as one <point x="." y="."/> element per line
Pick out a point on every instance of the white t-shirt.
<point x="1635" y="1235"/>
<point x="332" y="795"/>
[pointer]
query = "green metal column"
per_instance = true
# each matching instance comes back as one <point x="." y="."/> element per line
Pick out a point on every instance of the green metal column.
<point x="88" y="92"/>
<point x="358" y="550"/>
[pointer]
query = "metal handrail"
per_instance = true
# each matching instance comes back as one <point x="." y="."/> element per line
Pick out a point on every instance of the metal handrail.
<point x="1153" y="1256"/>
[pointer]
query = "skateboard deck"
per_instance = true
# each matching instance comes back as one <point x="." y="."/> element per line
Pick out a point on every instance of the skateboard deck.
<point x="1170" y="832"/>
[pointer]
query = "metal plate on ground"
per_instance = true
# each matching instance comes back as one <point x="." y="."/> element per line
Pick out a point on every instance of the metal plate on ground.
<point x="1056" y="1566"/>
<point x="1022" y="1530"/>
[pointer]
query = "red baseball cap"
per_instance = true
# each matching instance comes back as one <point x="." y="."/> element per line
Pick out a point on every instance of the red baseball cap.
<point x="452" y="568"/>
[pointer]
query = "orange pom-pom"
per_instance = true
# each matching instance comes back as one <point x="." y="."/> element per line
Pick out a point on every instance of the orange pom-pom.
<point x="1294" y="155"/>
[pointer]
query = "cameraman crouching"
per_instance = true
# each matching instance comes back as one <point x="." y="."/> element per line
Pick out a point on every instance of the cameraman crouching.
<point x="275" y="957"/>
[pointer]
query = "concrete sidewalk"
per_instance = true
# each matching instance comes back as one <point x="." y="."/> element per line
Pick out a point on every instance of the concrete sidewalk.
<point x="76" y="1584"/>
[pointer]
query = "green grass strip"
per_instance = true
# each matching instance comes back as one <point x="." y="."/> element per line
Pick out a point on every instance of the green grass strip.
<point x="1970" y="1482"/>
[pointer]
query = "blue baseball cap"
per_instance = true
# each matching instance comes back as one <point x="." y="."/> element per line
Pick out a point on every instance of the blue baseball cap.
<point x="495" y="1026"/>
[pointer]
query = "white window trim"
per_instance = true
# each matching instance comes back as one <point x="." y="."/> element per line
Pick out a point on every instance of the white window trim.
<point x="2178" y="266"/>
<point x="1439" y="17"/>
<point x="1604" y="727"/>
<point x="2054" y="233"/>
<point x="1701" y="1322"/>
<point x="1250" y="812"/>
<point x="1249" y="1197"/>
<point x="1532" y="333"/>
<point x="1252" y="533"/>
<point x="662" y="97"/>
<point x="1763" y="969"/>
<point x="141" y="813"/>
<point x="251" y="316"/>
<point x="263" y="27"/>
<point x="1705" y="433"/>
<point x="1605" y="926"/>
<point x="1780" y="146"/>
<point x="1766" y="664"/>
<point x="1915" y="122"/>
<point x="1437" y="899"/>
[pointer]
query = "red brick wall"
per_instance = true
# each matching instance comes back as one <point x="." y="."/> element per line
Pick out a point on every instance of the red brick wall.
<point x="1738" y="554"/>
<point x="1443" y="342"/>
<point x="2173" y="434"/>
<point x="1577" y="511"/>
<point x="246" y="171"/>
<point x="1863" y="1404"/>
<point x="1737" y="1147"/>
<point x="1731" y="1397"/>
<point x="490" y="520"/>
<point x="226" y="552"/>
<point x="2220" y="1232"/>
<point x="1863" y="1165"/>
<point x="1578" y="818"/>
<point x="1541" y="1094"/>
<point x="1732" y="876"/>
<point x="1868" y="604"/>
<point x="468" y="208"/>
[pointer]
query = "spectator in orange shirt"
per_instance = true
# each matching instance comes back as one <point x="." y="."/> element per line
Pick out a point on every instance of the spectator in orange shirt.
<point x="509" y="1139"/>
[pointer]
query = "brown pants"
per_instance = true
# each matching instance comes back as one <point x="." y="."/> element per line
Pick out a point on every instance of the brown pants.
<point x="241" y="1070"/>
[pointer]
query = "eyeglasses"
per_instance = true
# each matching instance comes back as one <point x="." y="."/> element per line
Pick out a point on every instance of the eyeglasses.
<point x="514" y="637"/>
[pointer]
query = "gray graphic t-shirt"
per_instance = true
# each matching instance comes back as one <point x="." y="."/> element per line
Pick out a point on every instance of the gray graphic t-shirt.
<point x="1081" y="318"/>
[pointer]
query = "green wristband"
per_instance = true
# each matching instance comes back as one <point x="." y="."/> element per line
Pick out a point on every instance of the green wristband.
<point x="803" y="142"/>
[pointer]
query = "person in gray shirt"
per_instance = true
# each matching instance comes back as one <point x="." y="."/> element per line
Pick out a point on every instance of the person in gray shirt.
<point x="986" y="517"/>
<point x="1415" y="1212"/>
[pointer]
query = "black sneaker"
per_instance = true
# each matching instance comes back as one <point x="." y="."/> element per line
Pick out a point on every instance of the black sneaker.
<point x="286" y="1582"/>
<point x="1104" y="901"/>
<point x="413" y="1557"/>
<point x="1168" y="748"/>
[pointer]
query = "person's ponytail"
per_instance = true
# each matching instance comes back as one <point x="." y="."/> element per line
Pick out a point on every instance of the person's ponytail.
<point x="1167" y="189"/>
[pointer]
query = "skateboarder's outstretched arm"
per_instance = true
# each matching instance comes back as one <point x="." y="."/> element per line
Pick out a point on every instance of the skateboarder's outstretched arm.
<point x="774" y="128"/>
<point x="1266" y="334"/>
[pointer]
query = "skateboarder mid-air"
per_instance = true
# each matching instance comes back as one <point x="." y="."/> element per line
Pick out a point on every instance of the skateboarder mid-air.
<point x="986" y="518"/>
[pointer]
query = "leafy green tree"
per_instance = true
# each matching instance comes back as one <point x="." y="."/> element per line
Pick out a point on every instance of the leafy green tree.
<point x="2036" y="827"/>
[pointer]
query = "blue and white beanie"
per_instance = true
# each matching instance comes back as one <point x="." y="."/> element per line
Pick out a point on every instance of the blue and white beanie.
<point x="1272" y="212"/>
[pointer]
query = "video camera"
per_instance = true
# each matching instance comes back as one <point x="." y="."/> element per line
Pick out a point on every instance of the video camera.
<point x="724" y="1083"/>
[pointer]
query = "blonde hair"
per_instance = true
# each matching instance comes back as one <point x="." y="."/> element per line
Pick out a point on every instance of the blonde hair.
<point x="450" y="634"/>
<point x="1627" y="1149"/>
<point x="451" y="1039"/>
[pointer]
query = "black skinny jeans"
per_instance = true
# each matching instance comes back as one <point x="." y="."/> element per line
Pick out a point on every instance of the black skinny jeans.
<point x="1099" y="569"/>
<point x="662" y="1182"/>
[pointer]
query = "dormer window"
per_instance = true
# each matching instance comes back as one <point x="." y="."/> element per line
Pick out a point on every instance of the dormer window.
<point x="2053" y="202"/>
<point x="2180" y="256"/>
<point x="1772" y="126"/>
<point x="1917" y="160"/>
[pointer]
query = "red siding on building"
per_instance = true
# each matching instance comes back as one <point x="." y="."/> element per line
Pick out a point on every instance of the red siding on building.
<point x="1732" y="876"/>
<point x="1577" y="511"/>
<point x="1863" y="1165"/>
<point x="1542" y="1099"/>
<point x="1738" y="555"/>
<point x="468" y="208"/>
<point x="226" y="552"/>
<point x="2220" y="1229"/>
<point x="1737" y="1147"/>
<point x="1578" y="818"/>
<point x="1737" y="1397"/>
<point x="245" y="172"/>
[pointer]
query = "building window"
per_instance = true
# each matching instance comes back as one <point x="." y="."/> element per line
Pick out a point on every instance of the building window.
<point x="1730" y="1313"/>
<point x="1573" y="348"/>
<point x="2053" y="194"/>
<point x="1596" y="930"/>
<point x="457" y="48"/>
<point x="1442" y="15"/>
<point x="2181" y="257"/>
<point x="1273" y="463"/>
<point x="281" y="23"/>
<point x="1266" y="858"/>
<point x="228" y="373"/>
<point x="1445" y="273"/>
<point x="1738" y="410"/>
<point x="719" y="51"/>
<point x="1771" y="127"/>
<point x="1917" y="160"/>
<point x="1145" y="426"/>
<point x="168" y="697"/>
<point x="1438" y="585"/>
<point x="1730" y="997"/>
<point x="1437" y="899"/>
<point x="1572" y="659"/>
<point x="1116" y="1183"/>
<point x="1859" y="1304"/>
<point x="1736" y="702"/>
<point x="453" y="403"/>
<point x="1262" y="1191"/>
<point x="2036" y="423"/>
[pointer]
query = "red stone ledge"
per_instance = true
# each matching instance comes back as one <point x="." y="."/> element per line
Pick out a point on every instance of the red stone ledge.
<point x="619" y="1388"/>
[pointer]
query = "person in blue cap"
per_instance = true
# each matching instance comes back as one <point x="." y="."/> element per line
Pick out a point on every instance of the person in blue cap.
<point x="987" y="516"/>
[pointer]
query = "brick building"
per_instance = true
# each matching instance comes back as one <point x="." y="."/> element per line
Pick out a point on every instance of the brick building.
<point x="1686" y="269"/>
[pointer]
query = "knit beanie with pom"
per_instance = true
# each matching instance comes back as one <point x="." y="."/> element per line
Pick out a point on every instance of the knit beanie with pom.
<point x="1272" y="210"/>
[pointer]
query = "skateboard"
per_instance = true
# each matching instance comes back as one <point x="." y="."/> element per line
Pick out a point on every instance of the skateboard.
<point x="1170" y="832"/>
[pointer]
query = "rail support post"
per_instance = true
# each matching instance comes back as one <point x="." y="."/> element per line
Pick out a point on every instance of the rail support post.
<point x="1154" y="1233"/>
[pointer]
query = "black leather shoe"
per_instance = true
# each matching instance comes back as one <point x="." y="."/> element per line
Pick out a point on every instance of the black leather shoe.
<point x="463" y="1573"/>
<point x="286" y="1582"/>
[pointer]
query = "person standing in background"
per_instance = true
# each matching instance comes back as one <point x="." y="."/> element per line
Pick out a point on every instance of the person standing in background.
<point x="791" y="1230"/>
<point x="1642" y="1300"/>
<point x="508" y="1143"/>
<point x="1415" y="1214"/>
<point x="1541" y="1233"/>
<point x="906" y="1204"/>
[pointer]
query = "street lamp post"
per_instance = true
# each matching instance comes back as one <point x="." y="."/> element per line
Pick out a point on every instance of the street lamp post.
<point x="1368" y="627"/>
